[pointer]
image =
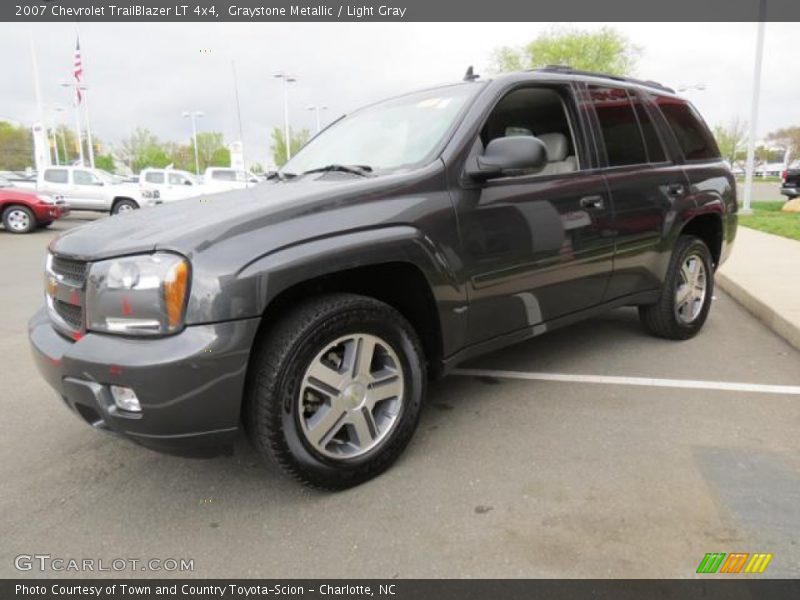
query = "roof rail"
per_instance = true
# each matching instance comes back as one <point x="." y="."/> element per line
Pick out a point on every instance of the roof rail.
<point x="567" y="69"/>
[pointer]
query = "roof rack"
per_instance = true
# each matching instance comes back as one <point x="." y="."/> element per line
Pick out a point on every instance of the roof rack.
<point x="570" y="70"/>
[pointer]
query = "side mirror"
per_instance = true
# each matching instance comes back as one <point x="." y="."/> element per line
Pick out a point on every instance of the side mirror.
<point x="507" y="154"/>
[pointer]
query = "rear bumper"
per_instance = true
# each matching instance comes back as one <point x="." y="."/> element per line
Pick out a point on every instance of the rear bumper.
<point x="190" y="385"/>
<point x="790" y="190"/>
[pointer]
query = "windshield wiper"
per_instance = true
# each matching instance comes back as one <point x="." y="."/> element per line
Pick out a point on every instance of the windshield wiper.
<point x="280" y="176"/>
<point x="362" y="170"/>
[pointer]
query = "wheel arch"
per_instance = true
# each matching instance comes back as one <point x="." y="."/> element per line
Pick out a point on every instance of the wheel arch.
<point x="396" y="265"/>
<point x="708" y="227"/>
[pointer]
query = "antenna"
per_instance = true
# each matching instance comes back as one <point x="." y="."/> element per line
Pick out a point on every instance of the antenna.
<point x="470" y="75"/>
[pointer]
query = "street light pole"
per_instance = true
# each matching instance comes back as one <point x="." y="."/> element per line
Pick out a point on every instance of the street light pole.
<point x="751" y="141"/>
<point x="317" y="109"/>
<point x="192" y="116"/>
<point x="287" y="79"/>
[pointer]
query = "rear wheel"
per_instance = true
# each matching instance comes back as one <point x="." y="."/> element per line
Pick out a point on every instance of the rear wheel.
<point x="686" y="294"/>
<point x="335" y="390"/>
<point x="123" y="206"/>
<point x="19" y="219"/>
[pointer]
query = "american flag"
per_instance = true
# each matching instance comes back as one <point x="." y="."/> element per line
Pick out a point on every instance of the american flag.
<point x="77" y="70"/>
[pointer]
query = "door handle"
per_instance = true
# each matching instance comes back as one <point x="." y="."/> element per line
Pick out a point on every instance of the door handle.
<point x="675" y="189"/>
<point x="592" y="202"/>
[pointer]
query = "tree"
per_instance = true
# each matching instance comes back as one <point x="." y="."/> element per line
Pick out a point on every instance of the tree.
<point x="297" y="139"/>
<point x="789" y="138"/>
<point x="731" y="139"/>
<point x="605" y="50"/>
<point x="16" y="147"/>
<point x="256" y="169"/>
<point x="105" y="162"/>
<point x="142" y="149"/>
<point x="212" y="151"/>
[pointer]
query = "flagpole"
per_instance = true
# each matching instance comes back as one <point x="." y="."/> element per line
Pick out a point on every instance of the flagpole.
<point x="78" y="127"/>
<point x="89" y="144"/>
<point x="85" y="100"/>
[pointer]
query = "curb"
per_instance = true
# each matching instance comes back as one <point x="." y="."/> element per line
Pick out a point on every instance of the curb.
<point x="763" y="312"/>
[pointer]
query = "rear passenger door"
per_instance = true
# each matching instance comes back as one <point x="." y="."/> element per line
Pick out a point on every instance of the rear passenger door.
<point x="644" y="185"/>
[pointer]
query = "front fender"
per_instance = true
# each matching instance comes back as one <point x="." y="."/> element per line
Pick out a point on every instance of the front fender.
<point x="248" y="292"/>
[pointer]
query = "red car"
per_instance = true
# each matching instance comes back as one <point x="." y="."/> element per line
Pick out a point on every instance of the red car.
<point x="23" y="211"/>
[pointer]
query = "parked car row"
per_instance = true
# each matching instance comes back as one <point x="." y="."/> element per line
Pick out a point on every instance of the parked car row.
<point x="175" y="184"/>
<point x="24" y="210"/>
<point x="55" y="190"/>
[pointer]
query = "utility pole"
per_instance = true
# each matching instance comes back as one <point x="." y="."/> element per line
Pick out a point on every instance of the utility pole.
<point x="751" y="142"/>
<point x="192" y="116"/>
<point x="287" y="79"/>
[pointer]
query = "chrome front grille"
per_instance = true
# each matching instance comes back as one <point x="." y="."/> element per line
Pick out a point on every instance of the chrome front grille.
<point x="73" y="271"/>
<point x="65" y="285"/>
<point x="72" y="314"/>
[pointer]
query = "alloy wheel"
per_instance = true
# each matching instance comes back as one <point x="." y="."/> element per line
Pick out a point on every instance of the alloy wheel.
<point x="690" y="294"/>
<point x="351" y="396"/>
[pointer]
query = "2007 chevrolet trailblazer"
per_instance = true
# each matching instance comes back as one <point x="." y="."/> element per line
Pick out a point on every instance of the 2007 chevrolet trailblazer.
<point x="406" y="237"/>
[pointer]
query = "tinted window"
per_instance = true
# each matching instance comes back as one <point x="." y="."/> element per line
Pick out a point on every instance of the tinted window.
<point x="83" y="178"/>
<point x="655" y="151"/>
<point x="224" y="175"/>
<point x="154" y="177"/>
<point x="620" y="127"/>
<point x="55" y="175"/>
<point x="693" y="136"/>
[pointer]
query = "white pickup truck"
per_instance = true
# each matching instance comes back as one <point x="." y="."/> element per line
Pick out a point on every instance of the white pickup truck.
<point x="221" y="179"/>
<point x="94" y="189"/>
<point x="172" y="184"/>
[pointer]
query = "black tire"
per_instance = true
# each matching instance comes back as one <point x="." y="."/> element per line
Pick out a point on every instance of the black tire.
<point x="19" y="219"/>
<point x="272" y="398"/>
<point x="123" y="205"/>
<point x="661" y="319"/>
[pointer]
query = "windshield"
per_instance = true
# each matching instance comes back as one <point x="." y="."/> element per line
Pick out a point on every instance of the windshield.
<point x="106" y="176"/>
<point x="388" y="135"/>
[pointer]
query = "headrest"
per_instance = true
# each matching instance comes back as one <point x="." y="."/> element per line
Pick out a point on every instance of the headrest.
<point x="556" y="144"/>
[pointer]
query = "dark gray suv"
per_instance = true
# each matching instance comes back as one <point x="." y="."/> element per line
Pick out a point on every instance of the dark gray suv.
<point x="406" y="237"/>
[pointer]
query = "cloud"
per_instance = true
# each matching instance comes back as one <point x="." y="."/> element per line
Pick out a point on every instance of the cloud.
<point x="148" y="74"/>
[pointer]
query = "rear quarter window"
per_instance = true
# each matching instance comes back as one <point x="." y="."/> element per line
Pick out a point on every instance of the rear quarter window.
<point x="55" y="175"/>
<point x="154" y="177"/>
<point x="694" y="138"/>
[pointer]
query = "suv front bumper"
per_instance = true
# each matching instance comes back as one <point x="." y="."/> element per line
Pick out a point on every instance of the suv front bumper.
<point x="189" y="385"/>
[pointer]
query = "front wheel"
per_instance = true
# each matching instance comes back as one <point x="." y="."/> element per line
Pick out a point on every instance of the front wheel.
<point x="335" y="390"/>
<point x="123" y="206"/>
<point x="686" y="294"/>
<point x="19" y="219"/>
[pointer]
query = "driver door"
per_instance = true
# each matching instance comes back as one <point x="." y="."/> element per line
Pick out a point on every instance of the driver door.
<point x="89" y="190"/>
<point x="537" y="246"/>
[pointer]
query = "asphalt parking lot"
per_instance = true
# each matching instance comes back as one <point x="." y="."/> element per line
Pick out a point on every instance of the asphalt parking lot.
<point x="505" y="477"/>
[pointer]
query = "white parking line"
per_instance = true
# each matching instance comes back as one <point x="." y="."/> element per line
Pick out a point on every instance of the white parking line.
<point x="694" y="384"/>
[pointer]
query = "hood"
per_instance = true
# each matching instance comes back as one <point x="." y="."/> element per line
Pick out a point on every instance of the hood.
<point x="198" y="223"/>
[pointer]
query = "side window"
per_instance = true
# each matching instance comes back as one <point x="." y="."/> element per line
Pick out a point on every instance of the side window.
<point x="655" y="151"/>
<point x="177" y="179"/>
<point x="694" y="138"/>
<point x="55" y="175"/>
<point x="224" y="175"/>
<point x="82" y="177"/>
<point x="540" y="112"/>
<point x="154" y="177"/>
<point x="619" y="125"/>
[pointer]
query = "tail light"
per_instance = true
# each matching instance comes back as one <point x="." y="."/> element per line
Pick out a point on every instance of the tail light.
<point x="783" y="176"/>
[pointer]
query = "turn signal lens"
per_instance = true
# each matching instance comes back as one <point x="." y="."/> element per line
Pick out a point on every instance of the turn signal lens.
<point x="175" y="292"/>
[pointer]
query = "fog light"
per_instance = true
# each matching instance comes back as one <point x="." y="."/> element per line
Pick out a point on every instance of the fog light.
<point x="125" y="398"/>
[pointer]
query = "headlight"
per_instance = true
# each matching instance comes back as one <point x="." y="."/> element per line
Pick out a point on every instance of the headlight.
<point x="46" y="199"/>
<point x="138" y="295"/>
